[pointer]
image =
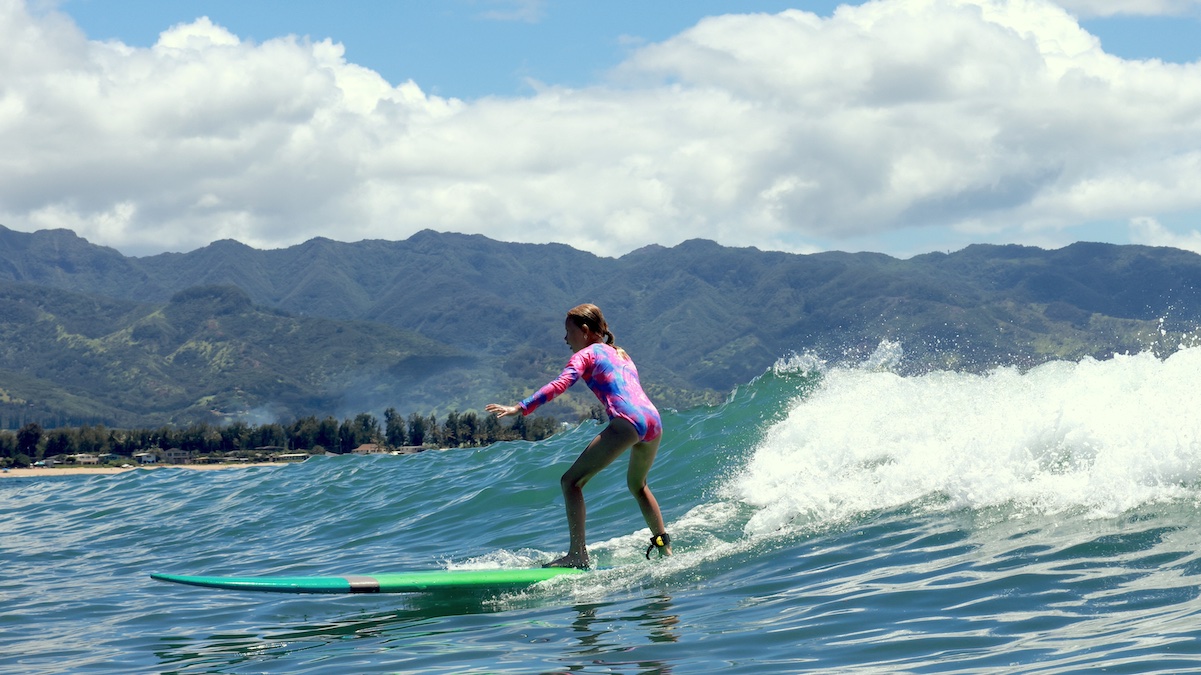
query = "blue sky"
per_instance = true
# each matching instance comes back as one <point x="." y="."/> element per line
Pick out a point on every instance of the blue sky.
<point x="459" y="48"/>
<point x="899" y="126"/>
<point x="472" y="48"/>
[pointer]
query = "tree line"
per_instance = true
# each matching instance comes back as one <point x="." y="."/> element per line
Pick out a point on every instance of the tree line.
<point x="32" y="443"/>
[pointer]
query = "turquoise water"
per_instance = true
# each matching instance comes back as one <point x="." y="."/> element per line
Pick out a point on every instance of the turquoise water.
<point x="826" y="519"/>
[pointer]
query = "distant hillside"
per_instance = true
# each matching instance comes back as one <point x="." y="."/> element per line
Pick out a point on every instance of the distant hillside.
<point x="699" y="318"/>
<point x="207" y="354"/>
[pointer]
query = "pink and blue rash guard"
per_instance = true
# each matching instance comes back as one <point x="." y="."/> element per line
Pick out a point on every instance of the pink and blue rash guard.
<point x="613" y="379"/>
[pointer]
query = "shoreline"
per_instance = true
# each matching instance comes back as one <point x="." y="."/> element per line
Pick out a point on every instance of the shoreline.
<point x="50" y="472"/>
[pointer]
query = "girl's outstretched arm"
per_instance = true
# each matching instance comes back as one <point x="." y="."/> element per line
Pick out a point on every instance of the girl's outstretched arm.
<point x="549" y="391"/>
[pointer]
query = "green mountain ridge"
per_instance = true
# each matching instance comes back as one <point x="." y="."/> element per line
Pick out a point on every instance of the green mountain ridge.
<point x="206" y="355"/>
<point x="444" y="321"/>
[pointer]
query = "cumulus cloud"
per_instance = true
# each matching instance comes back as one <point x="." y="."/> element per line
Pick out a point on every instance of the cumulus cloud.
<point x="1151" y="232"/>
<point x="991" y="119"/>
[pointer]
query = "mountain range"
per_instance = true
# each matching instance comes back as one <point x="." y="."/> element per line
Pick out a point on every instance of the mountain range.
<point x="444" y="321"/>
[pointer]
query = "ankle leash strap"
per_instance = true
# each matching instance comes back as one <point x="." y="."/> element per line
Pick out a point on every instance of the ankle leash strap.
<point x="659" y="541"/>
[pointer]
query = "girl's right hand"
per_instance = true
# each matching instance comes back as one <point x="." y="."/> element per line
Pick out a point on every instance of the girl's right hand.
<point x="502" y="410"/>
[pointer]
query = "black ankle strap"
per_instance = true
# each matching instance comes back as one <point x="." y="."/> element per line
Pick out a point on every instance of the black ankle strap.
<point x="659" y="540"/>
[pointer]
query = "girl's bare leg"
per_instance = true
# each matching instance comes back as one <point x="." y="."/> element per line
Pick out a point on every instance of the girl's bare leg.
<point x="642" y="456"/>
<point x="606" y="447"/>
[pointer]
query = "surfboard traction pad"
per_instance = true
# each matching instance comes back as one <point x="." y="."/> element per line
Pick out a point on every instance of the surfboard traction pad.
<point x="399" y="582"/>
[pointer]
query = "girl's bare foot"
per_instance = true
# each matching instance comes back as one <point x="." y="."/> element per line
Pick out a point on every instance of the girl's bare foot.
<point x="570" y="560"/>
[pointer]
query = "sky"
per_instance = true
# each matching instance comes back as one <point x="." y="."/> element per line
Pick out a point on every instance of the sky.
<point x="895" y="126"/>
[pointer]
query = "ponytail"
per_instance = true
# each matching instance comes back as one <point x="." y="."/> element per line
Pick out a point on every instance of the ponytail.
<point x="612" y="342"/>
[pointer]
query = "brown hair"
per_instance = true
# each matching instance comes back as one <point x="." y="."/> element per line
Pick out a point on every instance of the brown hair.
<point x="590" y="316"/>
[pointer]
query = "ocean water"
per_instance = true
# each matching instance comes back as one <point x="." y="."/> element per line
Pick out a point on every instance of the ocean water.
<point x="826" y="518"/>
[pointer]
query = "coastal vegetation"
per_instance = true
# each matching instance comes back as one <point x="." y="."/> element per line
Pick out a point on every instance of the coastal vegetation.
<point x="239" y="441"/>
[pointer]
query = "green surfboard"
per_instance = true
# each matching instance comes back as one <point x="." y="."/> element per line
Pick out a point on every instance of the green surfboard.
<point x="399" y="582"/>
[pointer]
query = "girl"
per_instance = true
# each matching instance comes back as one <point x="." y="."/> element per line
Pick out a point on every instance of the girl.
<point x="634" y="424"/>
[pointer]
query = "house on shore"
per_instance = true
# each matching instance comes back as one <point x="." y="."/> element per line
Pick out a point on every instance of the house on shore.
<point x="176" y="456"/>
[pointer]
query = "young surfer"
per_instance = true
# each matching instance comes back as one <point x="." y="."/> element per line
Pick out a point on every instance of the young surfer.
<point x="634" y="424"/>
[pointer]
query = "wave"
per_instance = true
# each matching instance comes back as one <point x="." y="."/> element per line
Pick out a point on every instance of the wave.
<point x="1098" y="437"/>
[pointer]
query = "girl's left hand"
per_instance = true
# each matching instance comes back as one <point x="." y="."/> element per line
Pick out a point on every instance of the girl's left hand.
<point x="502" y="410"/>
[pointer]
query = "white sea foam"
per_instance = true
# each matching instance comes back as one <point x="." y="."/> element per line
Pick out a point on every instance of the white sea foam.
<point x="1100" y="437"/>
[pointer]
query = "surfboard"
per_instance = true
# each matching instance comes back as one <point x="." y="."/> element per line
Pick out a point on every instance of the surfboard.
<point x="398" y="582"/>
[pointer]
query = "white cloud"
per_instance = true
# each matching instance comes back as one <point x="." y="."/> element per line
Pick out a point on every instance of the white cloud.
<point x="988" y="118"/>
<point x="1151" y="232"/>
<point x="1093" y="8"/>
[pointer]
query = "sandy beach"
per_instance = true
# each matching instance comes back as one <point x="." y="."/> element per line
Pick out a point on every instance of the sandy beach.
<point x="43" y="472"/>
